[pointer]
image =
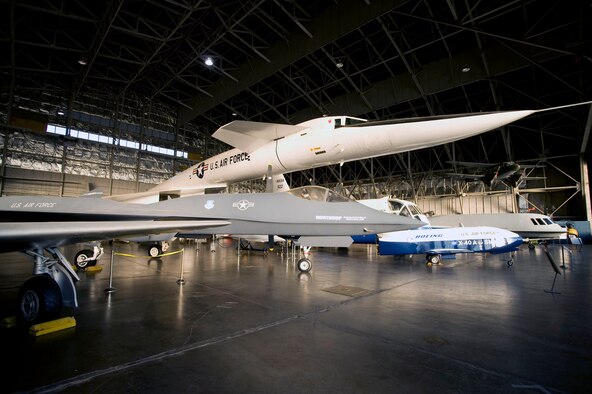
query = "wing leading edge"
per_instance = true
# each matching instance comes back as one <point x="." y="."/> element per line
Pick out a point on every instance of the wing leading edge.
<point x="18" y="236"/>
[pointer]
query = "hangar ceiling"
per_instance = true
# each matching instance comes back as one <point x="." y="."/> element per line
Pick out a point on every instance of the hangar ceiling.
<point x="288" y="61"/>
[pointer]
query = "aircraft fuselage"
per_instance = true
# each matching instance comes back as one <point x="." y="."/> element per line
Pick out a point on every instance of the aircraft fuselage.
<point x="319" y="143"/>
<point x="449" y="241"/>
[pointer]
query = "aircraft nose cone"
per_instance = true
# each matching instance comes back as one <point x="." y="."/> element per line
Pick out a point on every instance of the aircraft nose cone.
<point x="516" y="241"/>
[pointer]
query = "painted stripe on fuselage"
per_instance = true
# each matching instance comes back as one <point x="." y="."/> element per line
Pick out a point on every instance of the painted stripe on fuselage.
<point x="365" y="239"/>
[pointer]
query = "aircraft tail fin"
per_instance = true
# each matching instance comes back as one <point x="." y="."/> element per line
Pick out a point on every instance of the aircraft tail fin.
<point x="280" y="184"/>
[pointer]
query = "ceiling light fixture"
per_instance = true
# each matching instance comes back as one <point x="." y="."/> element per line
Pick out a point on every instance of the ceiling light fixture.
<point x="209" y="61"/>
<point x="466" y="69"/>
<point x="82" y="61"/>
<point x="339" y="64"/>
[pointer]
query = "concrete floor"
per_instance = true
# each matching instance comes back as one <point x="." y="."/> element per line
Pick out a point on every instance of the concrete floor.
<point x="357" y="323"/>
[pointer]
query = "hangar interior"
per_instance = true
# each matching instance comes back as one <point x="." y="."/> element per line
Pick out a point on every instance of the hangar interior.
<point x="118" y="84"/>
<point x="121" y="95"/>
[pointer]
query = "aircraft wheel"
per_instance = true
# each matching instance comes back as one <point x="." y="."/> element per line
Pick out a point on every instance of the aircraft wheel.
<point x="40" y="299"/>
<point x="510" y="263"/>
<point x="433" y="258"/>
<point x="304" y="265"/>
<point x="531" y="246"/>
<point x="82" y="259"/>
<point x="154" y="251"/>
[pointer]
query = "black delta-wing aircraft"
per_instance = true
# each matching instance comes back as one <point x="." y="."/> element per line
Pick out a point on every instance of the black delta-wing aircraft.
<point x="37" y="226"/>
<point x="508" y="172"/>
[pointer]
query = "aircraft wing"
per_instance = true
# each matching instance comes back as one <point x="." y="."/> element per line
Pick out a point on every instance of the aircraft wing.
<point x="248" y="136"/>
<point x="17" y="236"/>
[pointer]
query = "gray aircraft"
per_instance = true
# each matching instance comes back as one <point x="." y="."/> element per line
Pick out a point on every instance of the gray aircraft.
<point x="38" y="226"/>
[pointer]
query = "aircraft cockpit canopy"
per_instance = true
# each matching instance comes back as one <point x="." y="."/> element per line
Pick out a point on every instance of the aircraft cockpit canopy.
<point x="348" y="121"/>
<point x="318" y="193"/>
<point x="399" y="208"/>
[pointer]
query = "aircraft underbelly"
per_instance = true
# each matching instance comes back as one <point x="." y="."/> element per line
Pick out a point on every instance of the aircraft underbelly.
<point x="294" y="229"/>
<point x="299" y="153"/>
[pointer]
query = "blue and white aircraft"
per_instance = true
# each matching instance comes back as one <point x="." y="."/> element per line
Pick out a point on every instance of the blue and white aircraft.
<point x="435" y="242"/>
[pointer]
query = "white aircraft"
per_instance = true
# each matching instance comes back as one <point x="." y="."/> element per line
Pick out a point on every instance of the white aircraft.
<point x="396" y="206"/>
<point x="530" y="226"/>
<point x="435" y="242"/>
<point x="315" y="143"/>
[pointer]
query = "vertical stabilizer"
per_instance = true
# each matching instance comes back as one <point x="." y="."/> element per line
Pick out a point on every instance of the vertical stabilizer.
<point x="280" y="184"/>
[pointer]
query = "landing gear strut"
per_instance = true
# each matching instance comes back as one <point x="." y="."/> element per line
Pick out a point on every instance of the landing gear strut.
<point x="41" y="297"/>
<point x="511" y="261"/>
<point x="158" y="249"/>
<point x="88" y="258"/>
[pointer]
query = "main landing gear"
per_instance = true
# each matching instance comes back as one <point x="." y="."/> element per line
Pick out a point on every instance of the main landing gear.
<point x="511" y="261"/>
<point x="433" y="258"/>
<point x="158" y="249"/>
<point x="42" y="297"/>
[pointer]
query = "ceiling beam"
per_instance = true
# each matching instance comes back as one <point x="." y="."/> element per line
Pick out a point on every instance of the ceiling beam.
<point x="435" y="77"/>
<point x="329" y="25"/>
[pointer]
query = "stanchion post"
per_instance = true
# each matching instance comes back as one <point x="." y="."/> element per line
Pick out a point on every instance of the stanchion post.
<point x="555" y="268"/>
<point x="111" y="289"/>
<point x="181" y="281"/>
<point x="563" y="248"/>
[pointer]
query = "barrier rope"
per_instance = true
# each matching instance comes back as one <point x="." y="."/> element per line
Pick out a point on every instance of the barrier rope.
<point x="160" y="255"/>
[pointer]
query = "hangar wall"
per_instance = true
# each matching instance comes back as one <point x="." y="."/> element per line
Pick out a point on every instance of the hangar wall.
<point x="21" y="181"/>
<point x="46" y="164"/>
<point x="496" y="203"/>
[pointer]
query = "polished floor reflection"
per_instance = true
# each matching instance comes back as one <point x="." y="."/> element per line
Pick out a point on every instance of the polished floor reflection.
<point x="357" y="322"/>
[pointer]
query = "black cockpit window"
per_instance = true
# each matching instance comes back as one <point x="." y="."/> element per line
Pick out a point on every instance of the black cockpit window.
<point x="395" y="206"/>
<point x="352" y="121"/>
<point x="405" y="212"/>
